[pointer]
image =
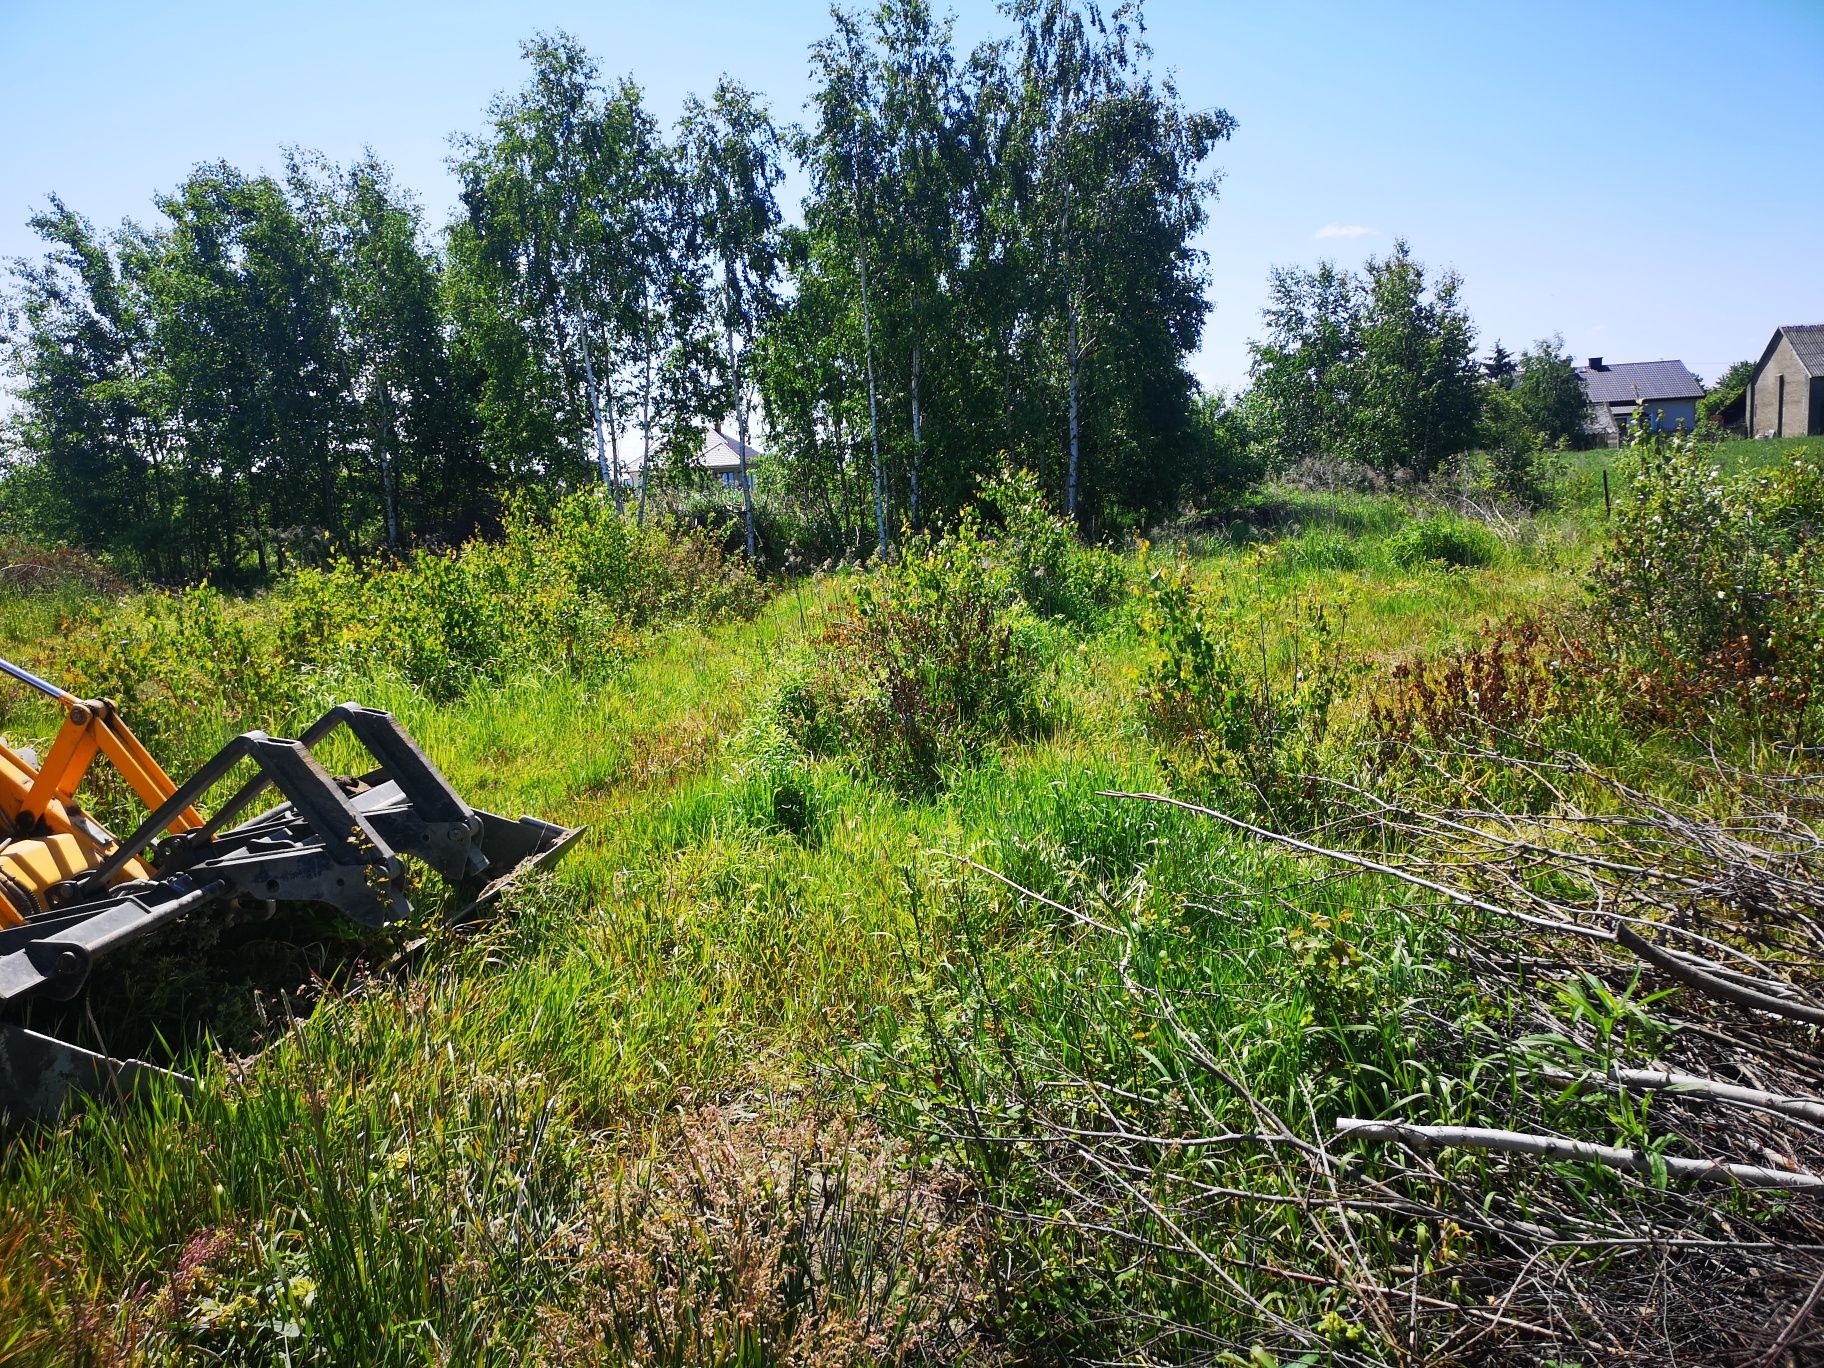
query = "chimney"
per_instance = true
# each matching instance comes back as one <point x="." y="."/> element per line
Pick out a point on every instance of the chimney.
<point x="1595" y="363"/>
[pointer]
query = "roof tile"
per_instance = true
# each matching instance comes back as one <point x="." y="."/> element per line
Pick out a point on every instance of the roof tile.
<point x="1627" y="381"/>
<point x="1808" y="341"/>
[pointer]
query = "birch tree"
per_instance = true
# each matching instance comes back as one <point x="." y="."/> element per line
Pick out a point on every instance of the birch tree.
<point x="533" y="188"/>
<point x="845" y="158"/>
<point x="733" y="170"/>
<point x="921" y="119"/>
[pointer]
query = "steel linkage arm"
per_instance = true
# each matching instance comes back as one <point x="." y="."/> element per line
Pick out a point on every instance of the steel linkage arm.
<point x="433" y="823"/>
<point x="352" y="867"/>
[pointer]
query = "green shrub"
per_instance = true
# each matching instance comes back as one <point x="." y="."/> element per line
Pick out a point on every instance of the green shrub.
<point x="1443" y="539"/>
<point x="189" y="671"/>
<point x="787" y="542"/>
<point x="563" y="593"/>
<point x="1208" y="690"/>
<point x="934" y="661"/>
<point x="1711" y="588"/>
<point x="1051" y="569"/>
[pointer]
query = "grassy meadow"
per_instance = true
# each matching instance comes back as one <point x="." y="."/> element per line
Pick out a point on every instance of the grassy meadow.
<point x="819" y="1049"/>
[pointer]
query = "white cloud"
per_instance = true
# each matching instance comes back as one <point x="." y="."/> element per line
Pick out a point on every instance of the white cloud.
<point x="1342" y="230"/>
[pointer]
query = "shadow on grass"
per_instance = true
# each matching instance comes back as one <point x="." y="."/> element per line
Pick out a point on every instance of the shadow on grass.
<point x="227" y="981"/>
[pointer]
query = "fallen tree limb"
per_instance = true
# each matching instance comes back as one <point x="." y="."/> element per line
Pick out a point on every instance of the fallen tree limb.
<point x="1552" y="1147"/>
<point x="1690" y="975"/>
<point x="1665" y="1080"/>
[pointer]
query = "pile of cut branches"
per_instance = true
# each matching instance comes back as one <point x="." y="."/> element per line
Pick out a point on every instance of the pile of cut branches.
<point x="1663" y="963"/>
<point x="1621" y="1160"/>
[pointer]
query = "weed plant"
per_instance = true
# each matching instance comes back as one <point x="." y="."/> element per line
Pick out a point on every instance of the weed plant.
<point x="1212" y="697"/>
<point x="1444" y="539"/>
<point x="951" y="650"/>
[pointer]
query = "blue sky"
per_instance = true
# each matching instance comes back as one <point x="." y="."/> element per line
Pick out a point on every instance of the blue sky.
<point x="1642" y="177"/>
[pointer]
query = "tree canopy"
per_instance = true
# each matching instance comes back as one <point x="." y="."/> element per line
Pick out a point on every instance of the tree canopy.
<point x="995" y="266"/>
<point x="1547" y="393"/>
<point x="1376" y="366"/>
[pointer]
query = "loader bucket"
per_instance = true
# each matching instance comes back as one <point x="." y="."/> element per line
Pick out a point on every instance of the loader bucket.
<point x="326" y="840"/>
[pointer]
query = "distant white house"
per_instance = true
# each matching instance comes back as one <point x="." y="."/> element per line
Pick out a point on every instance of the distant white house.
<point x="721" y="457"/>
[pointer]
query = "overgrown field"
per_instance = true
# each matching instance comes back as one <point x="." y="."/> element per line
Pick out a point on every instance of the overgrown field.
<point x="865" y="1023"/>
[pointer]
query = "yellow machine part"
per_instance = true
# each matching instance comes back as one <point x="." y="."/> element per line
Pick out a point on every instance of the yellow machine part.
<point x="29" y="869"/>
<point x="40" y="849"/>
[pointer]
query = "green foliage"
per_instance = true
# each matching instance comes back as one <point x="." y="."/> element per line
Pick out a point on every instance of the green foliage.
<point x="1004" y="209"/>
<point x="785" y="541"/>
<point x="732" y="171"/>
<point x="564" y="595"/>
<point x="1501" y="368"/>
<point x="1729" y="388"/>
<point x="269" y="360"/>
<point x="1210" y="692"/>
<point x="1513" y="463"/>
<point x="1547" y="393"/>
<point x="944" y="654"/>
<point x="772" y="758"/>
<point x="1711" y="583"/>
<point x="1225" y="458"/>
<point x="1052" y="571"/>
<point x="555" y="593"/>
<point x="507" y="1153"/>
<point x="934" y="663"/>
<point x="284" y="369"/>
<point x="1377" y="368"/>
<point x="188" y="670"/>
<point x="587" y="229"/>
<point x="1444" y="539"/>
<point x="1078" y="1083"/>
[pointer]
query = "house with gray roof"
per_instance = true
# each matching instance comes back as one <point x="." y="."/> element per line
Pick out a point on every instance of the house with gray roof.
<point x="1669" y="391"/>
<point x="723" y="456"/>
<point x="1786" y="392"/>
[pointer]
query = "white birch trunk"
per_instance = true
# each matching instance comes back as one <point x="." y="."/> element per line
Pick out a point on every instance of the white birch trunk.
<point x="595" y="414"/>
<point x="614" y="440"/>
<point x="645" y="413"/>
<point x="747" y="488"/>
<point x="918" y="450"/>
<point x="867" y="343"/>
<point x="1072" y="359"/>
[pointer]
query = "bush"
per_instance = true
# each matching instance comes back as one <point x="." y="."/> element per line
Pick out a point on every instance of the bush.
<point x="1730" y="386"/>
<point x="1319" y="549"/>
<point x="1208" y="692"/>
<point x="1515" y="463"/>
<point x="1711" y="588"/>
<point x="27" y="568"/>
<point x="1225" y="457"/>
<point x="786" y="542"/>
<point x="189" y="671"/>
<point x="934" y="661"/>
<point x="1444" y="539"/>
<point x="563" y="593"/>
<point x="1513" y="678"/>
<point x="1052" y="571"/>
<point x="1547" y="395"/>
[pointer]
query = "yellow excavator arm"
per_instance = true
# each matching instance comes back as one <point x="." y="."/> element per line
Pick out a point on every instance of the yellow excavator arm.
<point x="45" y="837"/>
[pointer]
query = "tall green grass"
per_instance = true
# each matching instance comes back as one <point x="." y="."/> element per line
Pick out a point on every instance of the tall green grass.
<point x="539" y="1142"/>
